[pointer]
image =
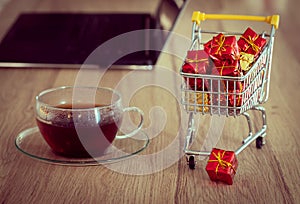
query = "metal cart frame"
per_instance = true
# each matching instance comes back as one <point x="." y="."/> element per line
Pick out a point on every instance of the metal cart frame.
<point x="256" y="83"/>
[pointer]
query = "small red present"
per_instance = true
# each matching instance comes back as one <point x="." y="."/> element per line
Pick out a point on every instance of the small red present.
<point x="250" y="42"/>
<point x="192" y="82"/>
<point x="222" y="47"/>
<point x="199" y="60"/>
<point x="233" y="87"/>
<point x="225" y="68"/>
<point x="196" y="62"/>
<point x="222" y="165"/>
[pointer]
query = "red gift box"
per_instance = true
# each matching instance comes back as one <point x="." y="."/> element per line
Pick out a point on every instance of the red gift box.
<point x="250" y="42"/>
<point x="226" y="68"/>
<point x="222" y="165"/>
<point x="196" y="62"/>
<point x="223" y="69"/>
<point x="234" y="88"/>
<point x="222" y="48"/>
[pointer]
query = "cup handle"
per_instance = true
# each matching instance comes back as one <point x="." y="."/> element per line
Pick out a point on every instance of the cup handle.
<point x="140" y="125"/>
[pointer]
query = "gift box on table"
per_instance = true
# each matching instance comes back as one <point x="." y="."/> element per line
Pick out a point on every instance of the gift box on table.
<point x="222" y="166"/>
<point x="196" y="62"/>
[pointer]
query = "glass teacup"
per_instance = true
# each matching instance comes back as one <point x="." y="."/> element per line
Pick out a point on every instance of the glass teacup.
<point x="81" y="121"/>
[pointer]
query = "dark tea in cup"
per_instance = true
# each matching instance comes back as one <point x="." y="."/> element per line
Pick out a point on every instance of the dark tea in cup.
<point x="62" y="136"/>
<point x="73" y="126"/>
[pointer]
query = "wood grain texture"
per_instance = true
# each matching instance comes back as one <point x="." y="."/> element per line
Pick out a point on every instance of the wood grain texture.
<point x="267" y="175"/>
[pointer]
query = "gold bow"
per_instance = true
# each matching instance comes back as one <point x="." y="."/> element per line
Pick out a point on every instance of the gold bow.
<point x="251" y="41"/>
<point x="196" y="60"/>
<point x="223" y="66"/>
<point x="220" y="44"/>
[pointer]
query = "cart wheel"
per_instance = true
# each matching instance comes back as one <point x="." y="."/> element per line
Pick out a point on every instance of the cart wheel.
<point x="191" y="162"/>
<point x="259" y="142"/>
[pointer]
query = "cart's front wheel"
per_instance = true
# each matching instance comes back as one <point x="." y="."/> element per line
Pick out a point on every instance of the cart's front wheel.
<point x="259" y="142"/>
<point x="191" y="162"/>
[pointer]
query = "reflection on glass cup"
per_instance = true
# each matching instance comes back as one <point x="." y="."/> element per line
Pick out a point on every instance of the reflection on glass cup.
<point x="81" y="121"/>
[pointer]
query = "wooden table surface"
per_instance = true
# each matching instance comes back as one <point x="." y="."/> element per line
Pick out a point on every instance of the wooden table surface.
<point x="161" y="175"/>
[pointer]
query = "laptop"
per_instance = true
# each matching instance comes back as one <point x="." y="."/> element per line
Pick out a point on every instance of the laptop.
<point x="67" y="40"/>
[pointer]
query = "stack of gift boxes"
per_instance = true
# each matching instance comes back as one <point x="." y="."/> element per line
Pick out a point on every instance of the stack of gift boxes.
<point x="225" y="56"/>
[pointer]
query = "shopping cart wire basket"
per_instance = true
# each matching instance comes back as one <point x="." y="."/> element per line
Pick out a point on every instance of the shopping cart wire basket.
<point x="254" y="92"/>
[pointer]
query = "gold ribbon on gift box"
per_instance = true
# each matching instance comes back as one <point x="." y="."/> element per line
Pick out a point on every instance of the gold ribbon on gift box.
<point x="225" y="67"/>
<point x="251" y="41"/>
<point x="220" y="44"/>
<point x="196" y="60"/>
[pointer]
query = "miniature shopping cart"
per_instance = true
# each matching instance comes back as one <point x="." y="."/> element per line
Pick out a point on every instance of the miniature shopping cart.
<point x="255" y="86"/>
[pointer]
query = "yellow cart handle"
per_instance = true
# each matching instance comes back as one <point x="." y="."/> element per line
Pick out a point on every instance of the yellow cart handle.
<point x="199" y="16"/>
